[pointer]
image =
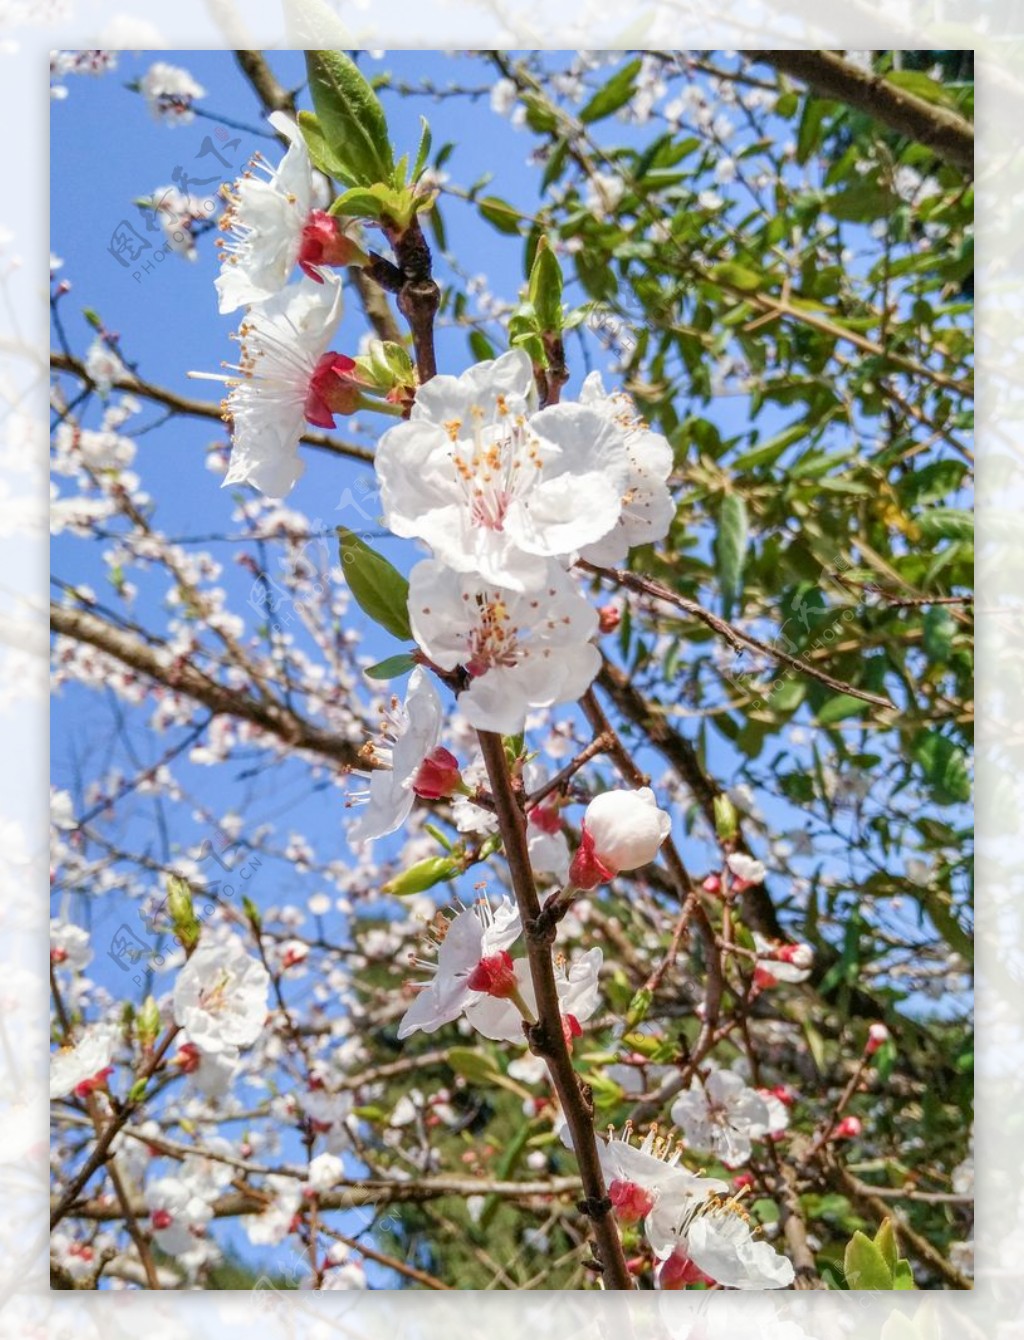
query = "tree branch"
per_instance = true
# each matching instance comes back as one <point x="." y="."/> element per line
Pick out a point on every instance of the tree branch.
<point x="546" y="1037"/>
<point x="945" y="132"/>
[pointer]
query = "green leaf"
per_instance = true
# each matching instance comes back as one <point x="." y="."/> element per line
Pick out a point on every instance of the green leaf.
<point x="861" y="203"/>
<point x="615" y="94"/>
<point x="476" y="1066"/>
<point x="946" y="523"/>
<point x="481" y="346"/>
<point x="379" y="589"/>
<point x="391" y="668"/>
<point x="319" y="150"/>
<point x="885" y="1241"/>
<point x="944" y="765"/>
<point x="731" y="548"/>
<point x="500" y="214"/>
<point x="352" y="120"/>
<point x="422" y="153"/>
<point x="864" y="1265"/>
<point x="767" y="453"/>
<point x="357" y="203"/>
<point x="423" y="875"/>
<point x="545" y="291"/>
<point x="737" y="276"/>
<point x="839" y="707"/>
<point x="939" y="629"/>
<point x="903" y="1276"/>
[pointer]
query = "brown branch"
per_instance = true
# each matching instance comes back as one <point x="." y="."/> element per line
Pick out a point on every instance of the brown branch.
<point x="392" y="1262"/>
<point x="634" y="581"/>
<point x="945" y="132"/>
<point x="351" y="1195"/>
<point x="546" y="1037"/>
<point x="197" y="409"/>
<point x="154" y="661"/>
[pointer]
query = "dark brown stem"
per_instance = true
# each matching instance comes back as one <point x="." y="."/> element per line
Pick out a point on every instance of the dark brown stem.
<point x="546" y="1037"/>
<point x="418" y="297"/>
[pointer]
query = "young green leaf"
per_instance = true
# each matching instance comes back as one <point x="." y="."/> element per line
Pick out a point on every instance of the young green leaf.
<point x="545" y="291"/>
<point x="379" y="589"/>
<point x="731" y="548"/>
<point x="423" y="875"/>
<point x="864" y="1265"/>
<point x="351" y="118"/>
<point x="391" y="668"/>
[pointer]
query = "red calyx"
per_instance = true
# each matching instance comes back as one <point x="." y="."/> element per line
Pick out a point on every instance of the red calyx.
<point x="332" y="390"/>
<point x="94" y="1082"/>
<point x="630" y="1201"/>
<point x="587" y="870"/>
<point x="571" y="1028"/>
<point x="324" y="243"/>
<point x="439" y="775"/>
<point x="495" y="975"/>
<point x="679" y="1271"/>
<point x="161" y="1219"/>
<point x="546" y="817"/>
<point x="188" y="1058"/>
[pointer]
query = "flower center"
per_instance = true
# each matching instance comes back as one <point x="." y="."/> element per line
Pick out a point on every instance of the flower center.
<point x="498" y="464"/>
<point x="493" y="641"/>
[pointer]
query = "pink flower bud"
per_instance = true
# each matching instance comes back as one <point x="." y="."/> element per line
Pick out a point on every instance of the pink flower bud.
<point x="848" y="1129"/>
<point x="712" y="884"/>
<point x="622" y="830"/>
<point x="630" y="1201"/>
<point x="495" y="975"/>
<point x="438" y="776"/>
<point x="187" y="1058"/>
<point x="161" y="1219"/>
<point x="608" y="618"/>
<point x="878" y="1036"/>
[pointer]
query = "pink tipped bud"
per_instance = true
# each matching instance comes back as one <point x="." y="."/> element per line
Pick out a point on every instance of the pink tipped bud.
<point x="495" y="975"/>
<point x="324" y="243"/>
<point x="712" y="884"/>
<point x="608" y="618"/>
<point x="630" y="1201"/>
<point x="878" y="1036"/>
<point x="332" y="390"/>
<point x="763" y="979"/>
<point x="743" y="1179"/>
<point x="848" y="1129"/>
<point x="439" y="775"/>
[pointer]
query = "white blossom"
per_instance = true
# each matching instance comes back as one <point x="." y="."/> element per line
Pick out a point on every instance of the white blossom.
<point x="494" y="487"/>
<point x="473" y="934"/>
<point x="647" y="506"/>
<point x="522" y="650"/>
<point x="723" y="1116"/>
<point x="282" y="344"/>
<point x="170" y="92"/>
<point x="83" y="1063"/>
<point x="409" y="732"/>
<point x="220" y="997"/>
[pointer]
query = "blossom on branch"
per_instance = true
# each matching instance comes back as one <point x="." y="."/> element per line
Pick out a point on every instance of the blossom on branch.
<point x="722" y="1115"/>
<point x="273" y="224"/>
<point x="474" y="934"/>
<point x="492" y="485"/>
<point x="647" y="506"/>
<point x="522" y="650"/>
<point x="283" y="377"/>
<point x="622" y="830"/>
<point x="408" y="759"/>
<point x="220" y="997"/>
